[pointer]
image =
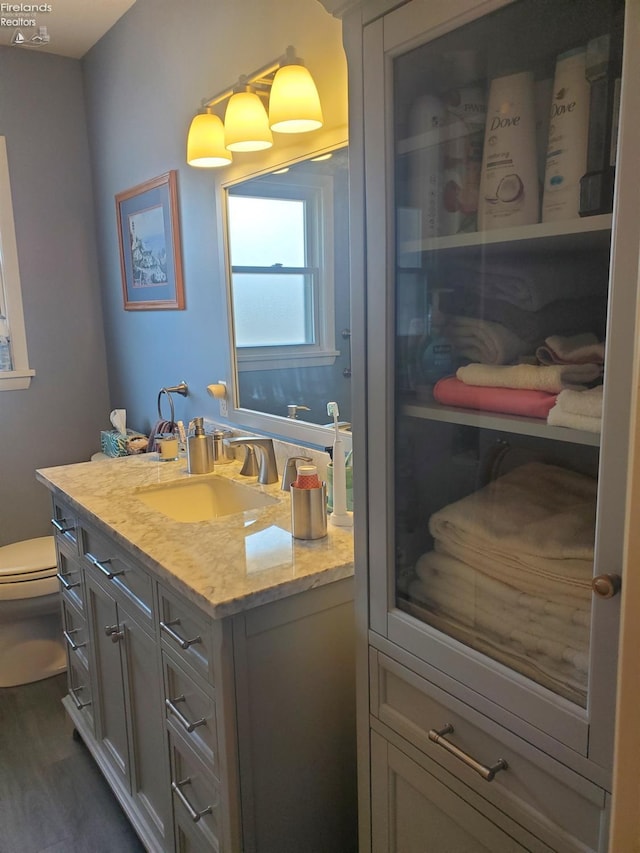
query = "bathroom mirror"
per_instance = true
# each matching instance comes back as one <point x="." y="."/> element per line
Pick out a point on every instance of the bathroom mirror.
<point x="287" y="255"/>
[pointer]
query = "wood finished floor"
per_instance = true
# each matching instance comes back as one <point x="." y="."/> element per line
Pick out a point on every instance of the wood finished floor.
<point x="53" y="798"/>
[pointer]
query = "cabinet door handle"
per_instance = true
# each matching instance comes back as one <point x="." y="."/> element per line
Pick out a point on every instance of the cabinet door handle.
<point x="193" y="814"/>
<point x="606" y="586"/>
<point x="184" y="644"/>
<point x="61" y="527"/>
<point x="487" y="773"/>
<point x="103" y="568"/>
<point x="70" y="641"/>
<point x="187" y="724"/>
<point x="78" y="703"/>
<point x="65" y="583"/>
<point x="114" y="632"/>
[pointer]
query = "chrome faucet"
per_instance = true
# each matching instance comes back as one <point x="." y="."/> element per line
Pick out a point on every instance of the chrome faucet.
<point x="268" y="472"/>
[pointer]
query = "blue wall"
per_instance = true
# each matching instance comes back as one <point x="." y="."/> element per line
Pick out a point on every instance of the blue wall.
<point x="144" y="81"/>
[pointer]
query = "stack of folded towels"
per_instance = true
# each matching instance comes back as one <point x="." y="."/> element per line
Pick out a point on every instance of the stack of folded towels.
<point x="500" y="311"/>
<point x="510" y="573"/>
<point x="567" y="368"/>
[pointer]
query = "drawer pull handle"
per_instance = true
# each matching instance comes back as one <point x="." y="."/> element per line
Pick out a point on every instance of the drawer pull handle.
<point x="71" y="642"/>
<point x="193" y="814"/>
<point x="103" y="568"/>
<point x="187" y="724"/>
<point x="79" y="705"/>
<point x="65" y="583"/>
<point x="61" y="527"/>
<point x="184" y="644"/>
<point x="487" y="773"/>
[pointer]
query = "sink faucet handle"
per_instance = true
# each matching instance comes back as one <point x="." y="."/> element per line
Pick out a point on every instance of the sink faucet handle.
<point x="291" y="471"/>
<point x="250" y="464"/>
<point x="268" y="472"/>
<point x="293" y="409"/>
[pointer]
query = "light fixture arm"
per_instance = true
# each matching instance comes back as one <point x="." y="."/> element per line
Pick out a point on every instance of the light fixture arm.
<point x="262" y="78"/>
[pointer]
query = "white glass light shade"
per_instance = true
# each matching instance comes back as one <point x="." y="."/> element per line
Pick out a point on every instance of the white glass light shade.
<point x="246" y="124"/>
<point x="205" y="142"/>
<point x="294" y="104"/>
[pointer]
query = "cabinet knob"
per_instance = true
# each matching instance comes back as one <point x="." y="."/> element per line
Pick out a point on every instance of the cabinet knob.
<point x="606" y="586"/>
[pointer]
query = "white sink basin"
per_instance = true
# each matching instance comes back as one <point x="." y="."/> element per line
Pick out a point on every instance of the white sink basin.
<point x="202" y="499"/>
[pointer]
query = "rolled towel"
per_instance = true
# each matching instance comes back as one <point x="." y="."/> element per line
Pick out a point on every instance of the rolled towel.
<point x="576" y="349"/>
<point x="484" y="341"/>
<point x="450" y="391"/>
<point x="528" y="282"/>
<point x="550" y="378"/>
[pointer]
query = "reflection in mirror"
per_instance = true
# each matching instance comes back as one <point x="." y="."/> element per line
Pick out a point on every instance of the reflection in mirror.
<point x="288" y="239"/>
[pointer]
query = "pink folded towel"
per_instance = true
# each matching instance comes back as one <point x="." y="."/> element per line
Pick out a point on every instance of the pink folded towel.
<point x="511" y="401"/>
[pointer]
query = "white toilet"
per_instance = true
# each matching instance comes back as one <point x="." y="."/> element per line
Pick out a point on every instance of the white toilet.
<point x="31" y="643"/>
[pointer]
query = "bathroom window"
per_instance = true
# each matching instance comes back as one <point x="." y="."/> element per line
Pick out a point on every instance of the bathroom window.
<point x="19" y="377"/>
<point x="282" y="274"/>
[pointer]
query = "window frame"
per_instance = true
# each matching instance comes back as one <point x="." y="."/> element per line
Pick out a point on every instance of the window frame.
<point x="316" y="192"/>
<point x="19" y="378"/>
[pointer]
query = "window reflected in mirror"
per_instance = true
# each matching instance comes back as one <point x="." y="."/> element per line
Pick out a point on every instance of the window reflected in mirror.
<point x="288" y="260"/>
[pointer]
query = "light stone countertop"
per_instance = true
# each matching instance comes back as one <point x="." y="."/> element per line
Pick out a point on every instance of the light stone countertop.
<point x="224" y="565"/>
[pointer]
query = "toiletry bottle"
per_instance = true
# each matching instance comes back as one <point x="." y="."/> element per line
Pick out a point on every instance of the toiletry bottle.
<point x="199" y="450"/>
<point x="437" y="357"/>
<point x="509" y="192"/>
<point x="426" y="121"/>
<point x="568" y="138"/>
<point x="5" y="346"/>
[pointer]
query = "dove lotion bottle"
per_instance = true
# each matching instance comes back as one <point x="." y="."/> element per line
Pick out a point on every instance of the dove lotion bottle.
<point x="509" y="189"/>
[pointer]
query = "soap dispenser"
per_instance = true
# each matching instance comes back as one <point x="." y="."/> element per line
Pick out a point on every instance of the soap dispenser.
<point x="437" y="356"/>
<point x="200" y="456"/>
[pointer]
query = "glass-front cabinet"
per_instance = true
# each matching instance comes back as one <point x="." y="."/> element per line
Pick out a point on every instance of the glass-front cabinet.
<point x="502" y="257"/>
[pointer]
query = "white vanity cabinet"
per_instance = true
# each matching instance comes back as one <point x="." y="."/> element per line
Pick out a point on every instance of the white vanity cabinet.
<point x="217" y="735"/>
<point x="491" y="691"/>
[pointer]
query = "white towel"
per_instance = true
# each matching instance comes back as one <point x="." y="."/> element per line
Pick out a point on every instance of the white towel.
<point x="531" y="528"/>
<point x="551" y="378"/>
<point x="576" y="349"/>
<point x="587" y="403"/>
<point x="557" y="417"/>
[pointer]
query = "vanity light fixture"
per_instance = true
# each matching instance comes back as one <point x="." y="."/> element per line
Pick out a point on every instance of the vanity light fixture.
<point x="205" y="142"/>
<point x="293" y="107"/>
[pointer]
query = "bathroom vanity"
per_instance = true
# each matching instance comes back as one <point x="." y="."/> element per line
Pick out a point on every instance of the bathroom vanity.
<point x="210" y="663"/>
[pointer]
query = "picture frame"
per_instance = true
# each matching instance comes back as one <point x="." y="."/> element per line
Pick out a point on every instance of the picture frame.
<point x="149" y="241"/>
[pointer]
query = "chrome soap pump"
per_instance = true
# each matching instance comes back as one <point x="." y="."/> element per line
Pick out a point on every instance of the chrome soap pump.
<point x="200" y="457"/>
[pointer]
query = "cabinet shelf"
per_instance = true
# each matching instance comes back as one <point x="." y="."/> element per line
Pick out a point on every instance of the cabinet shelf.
<point x="591" y="232"/>
<point x="502" y="423"/>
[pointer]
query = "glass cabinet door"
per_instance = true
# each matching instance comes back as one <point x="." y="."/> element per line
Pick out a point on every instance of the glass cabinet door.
<point x="504" y="134"/>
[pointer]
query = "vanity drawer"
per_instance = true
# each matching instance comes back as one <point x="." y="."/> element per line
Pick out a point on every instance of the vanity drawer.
<point x="80" y="687"/>
<point x="70" y="572"/>
<point x="125" y="578"/>
<point x="556" y="804"/>
<point x="76" y="634"/>
<point x="195" y="796"/>
<point x="191" y="711"/>
<point x="187" y="632"/>
<point x="65" y="524"/>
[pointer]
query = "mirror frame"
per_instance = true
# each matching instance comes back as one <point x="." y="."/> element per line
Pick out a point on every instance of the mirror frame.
<point x="296" y="430"/>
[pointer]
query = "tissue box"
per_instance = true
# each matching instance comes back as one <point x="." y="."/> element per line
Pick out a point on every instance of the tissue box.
<point x="112" y="443"/>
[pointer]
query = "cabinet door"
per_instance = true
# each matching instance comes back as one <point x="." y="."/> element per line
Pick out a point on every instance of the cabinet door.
<point x="497" y="504"/>
<point x="414" y="812"/>
<point x="143" y="692"/>
<point x="108" y="687"/>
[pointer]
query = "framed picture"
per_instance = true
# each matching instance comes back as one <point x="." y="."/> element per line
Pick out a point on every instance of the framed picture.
<point x="148" y="233"/>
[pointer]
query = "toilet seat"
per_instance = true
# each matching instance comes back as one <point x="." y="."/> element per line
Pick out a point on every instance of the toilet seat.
<point x="28" y="569"/>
